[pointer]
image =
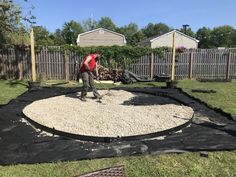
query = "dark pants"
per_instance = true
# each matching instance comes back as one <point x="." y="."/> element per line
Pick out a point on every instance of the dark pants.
<point x="88" y="82"/>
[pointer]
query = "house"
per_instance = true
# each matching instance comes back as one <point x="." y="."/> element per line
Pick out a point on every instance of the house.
<point x="166" y="40"/>
<point x="100" y="37"/>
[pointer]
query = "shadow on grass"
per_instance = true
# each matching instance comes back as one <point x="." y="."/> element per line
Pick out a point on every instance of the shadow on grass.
<point x="14" y="83"/>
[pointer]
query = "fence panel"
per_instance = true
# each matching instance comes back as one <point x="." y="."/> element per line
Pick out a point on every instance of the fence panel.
<point x="210" y="64"/>
<point x="182" y="65"/>
<point x="232" y="71"/>
<point x="141" y="67"/>
<point x="74" y="63"/>
<point x="53" y="64"/>
<point x="162" y="65"/>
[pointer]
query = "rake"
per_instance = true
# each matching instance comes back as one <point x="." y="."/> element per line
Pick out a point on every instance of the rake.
<point x="106" y="88"/>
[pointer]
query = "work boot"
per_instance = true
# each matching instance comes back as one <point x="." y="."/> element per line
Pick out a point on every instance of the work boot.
<point x="96" y="94"/>
<point x="83" y="99"/>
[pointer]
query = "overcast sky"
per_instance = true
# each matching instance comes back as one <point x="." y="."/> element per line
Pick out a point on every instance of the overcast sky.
<point x="52" y="14"/>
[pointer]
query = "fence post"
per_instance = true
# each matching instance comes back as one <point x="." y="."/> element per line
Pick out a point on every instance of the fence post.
<point x="20" y="65"/>
<point x="190" y="74"/>
<point x="33" y="65"/>
<point x="173" y="58"/>
<point x="228" y="65"/>
<point x="66" y="66"/>
<point x="151" y="65"/>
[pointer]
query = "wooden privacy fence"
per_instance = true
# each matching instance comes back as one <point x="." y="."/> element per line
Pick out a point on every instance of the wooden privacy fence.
<point x="199" y="63"/>
<point x="58" y="65"/>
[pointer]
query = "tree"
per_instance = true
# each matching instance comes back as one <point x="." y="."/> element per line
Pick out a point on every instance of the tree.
<point x="19" y="37"/>
<point x="106" y="22"/>
<point x="155" y="29"/>
<point x="9" y="18"/>
<point x="10" y="15"/>
<point x="188" y="31"/>
<point x="42" y="36"/>
<point x="221" y="36"/>
<point x="89" y="24"/>
<point x="11" y="21"/>
<point x="204" y="36"/>
<point x="233" y="38"/>
<point x="136" y="38"/>
<point x="70" y="32"/>
<point x="130" y="31"/>
<point x="58" y="38"/>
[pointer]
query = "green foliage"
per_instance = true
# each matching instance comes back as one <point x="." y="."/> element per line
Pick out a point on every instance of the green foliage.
<point x="41" y="36"/>
<point x="118" y="55"/>
<point x="188" y="32"/>
<point x="130" y="32"/>
<point x="11" y="21"/>
<point x="9" y="18"/>
<point x="155" y="29"/>
<point x="203" y="35"/>
<point x="58" y="38"/>
<point x="106" y="22"/>
<point x="10" y="15"/>
<point x="20" y="37"/>
<point x="222" y="36"/>
<point x="89" y="24"/>
<point x="70" y="32"/>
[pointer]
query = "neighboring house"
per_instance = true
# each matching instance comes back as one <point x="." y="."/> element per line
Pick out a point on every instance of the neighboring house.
<point x="100" y="37"/>
<point x="166" y="40"/>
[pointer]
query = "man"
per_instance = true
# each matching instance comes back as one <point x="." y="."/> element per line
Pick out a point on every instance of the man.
<point x="86" y="69"/>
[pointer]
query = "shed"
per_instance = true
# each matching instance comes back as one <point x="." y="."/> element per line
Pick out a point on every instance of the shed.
<point x="100" y="37"/>
<point x="166" y="40"/>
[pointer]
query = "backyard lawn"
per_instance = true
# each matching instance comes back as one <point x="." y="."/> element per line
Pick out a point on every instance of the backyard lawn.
<point x="11" y="89"/>
<point x="224" y="98"/>
<point x="187" y="164"/>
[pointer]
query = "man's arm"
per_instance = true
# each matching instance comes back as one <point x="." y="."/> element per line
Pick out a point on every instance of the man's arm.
<point x="86" y="62"/>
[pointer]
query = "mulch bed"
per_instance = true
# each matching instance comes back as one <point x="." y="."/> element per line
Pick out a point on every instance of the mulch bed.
<point x="211" y="130"/>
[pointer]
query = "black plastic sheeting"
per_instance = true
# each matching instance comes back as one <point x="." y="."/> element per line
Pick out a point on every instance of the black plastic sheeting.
<point x="211" y="130"/>
<point x="141" y="100"/>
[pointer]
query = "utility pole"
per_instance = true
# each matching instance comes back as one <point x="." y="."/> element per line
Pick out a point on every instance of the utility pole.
<point x="185" y="28"/>
<point x="92" y="25"/>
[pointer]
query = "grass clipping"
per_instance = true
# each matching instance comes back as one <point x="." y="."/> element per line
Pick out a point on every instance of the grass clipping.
<point x="110" y="117"/>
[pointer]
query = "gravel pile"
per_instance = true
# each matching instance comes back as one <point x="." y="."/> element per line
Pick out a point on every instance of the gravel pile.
<point x="106" y="118"/>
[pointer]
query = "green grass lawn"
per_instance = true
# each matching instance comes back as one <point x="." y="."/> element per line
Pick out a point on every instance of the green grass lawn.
<point x="187" y="164"/>
<point x="224" y="98"/>
<point x="10" y="89"/>
<point x="220" y="164"/>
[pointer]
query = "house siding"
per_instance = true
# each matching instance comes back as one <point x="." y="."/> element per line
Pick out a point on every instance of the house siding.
<point x="180" y="41"/>
<point x="100" y="38"/>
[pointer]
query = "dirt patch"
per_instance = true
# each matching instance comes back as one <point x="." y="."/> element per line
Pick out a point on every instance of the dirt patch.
<point x="109" y="118"/>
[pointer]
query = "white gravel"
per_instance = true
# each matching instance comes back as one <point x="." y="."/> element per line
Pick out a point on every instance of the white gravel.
<point x="109" y="118"/>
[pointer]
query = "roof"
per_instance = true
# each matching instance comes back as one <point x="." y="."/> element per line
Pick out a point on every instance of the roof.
<point x="81" y="34"/>
<point x="153" y="38"/>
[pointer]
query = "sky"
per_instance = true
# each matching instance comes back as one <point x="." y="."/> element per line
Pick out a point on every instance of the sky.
<point x="52" y="14"/>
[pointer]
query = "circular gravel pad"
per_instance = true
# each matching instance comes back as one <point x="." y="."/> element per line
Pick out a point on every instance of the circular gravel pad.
<point x="111" y="117"/>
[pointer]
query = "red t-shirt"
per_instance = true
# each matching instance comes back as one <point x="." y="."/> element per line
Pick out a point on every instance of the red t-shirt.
<point x="91" y="64"/>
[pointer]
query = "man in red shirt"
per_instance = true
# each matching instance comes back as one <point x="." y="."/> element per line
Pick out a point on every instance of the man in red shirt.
<point x="86" y="69"/>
